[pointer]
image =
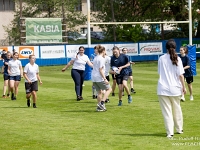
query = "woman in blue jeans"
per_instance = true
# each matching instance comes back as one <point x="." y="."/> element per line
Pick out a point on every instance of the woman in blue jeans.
<point x="78" y="61"/>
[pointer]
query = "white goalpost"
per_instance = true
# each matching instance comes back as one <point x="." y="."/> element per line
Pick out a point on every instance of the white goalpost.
<point x="163" y="22"/>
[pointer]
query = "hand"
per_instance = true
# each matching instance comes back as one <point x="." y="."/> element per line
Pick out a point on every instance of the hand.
<point x="63" y="69"/>
<point x="120" y="68"/>
<point x="22" y="76"/>
<point x="106" y="81"/>
<point x="40" y="82"/>
<point x="29" y="82"/>
<point x="184" y="91"/>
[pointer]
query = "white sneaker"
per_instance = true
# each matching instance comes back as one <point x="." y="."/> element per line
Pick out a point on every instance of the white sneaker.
<point x="191" y="98"/>
<point x="183" y="99"/>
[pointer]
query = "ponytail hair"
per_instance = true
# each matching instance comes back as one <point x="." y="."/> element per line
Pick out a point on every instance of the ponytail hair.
<point x="171" y="47"/>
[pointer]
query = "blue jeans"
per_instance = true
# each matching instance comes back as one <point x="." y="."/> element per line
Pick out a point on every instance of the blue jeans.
<point x="78" y="77"/>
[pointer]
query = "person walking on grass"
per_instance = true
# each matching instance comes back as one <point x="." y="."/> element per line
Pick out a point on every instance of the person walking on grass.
<point x="170" y="88"/>
<point x="99" y="79"/>
<point x="125" y="51"/>
<point x="31" y="75"/>
<point x="188" y="72"/>
<point x="6" y="76"/>
<point x="121" y="61"/>
<point x="78" y="63"/>
<point x="16" y="73"/>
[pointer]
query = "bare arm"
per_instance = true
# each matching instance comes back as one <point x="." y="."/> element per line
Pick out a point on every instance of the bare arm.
<point x="9" y="70"/>
<point x="120" y="68"/>
<point x="68" y="65"/>
<point x="21" y="71"/>
<point x="181" y="77"/>
<point x="90" y="64"/>
<point x="186" y="67"/>
<point x="25" y="76"/>
<point x="39" y="79"/>
<point x="103" y="75"/>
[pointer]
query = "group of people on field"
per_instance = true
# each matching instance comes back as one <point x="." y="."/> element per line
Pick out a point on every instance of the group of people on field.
<point x="13" y="72"/>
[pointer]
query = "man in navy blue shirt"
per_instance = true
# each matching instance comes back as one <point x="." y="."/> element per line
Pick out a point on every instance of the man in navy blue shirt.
<point x="121" y="61"/>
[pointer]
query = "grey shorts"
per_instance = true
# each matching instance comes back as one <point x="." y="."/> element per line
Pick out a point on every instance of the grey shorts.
<point x="101" y="86"/>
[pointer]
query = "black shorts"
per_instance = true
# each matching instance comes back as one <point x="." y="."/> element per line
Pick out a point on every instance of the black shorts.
<point x="6" y="77"/>
<point x="119" y="80"/>
<point x="130" y="74"/>
<point x="108" y="78"/>
<point x="16" y="78"/>
<point x="31" y="87"/>
<point x="113" y="77"/>
<point x="189" y="79"/>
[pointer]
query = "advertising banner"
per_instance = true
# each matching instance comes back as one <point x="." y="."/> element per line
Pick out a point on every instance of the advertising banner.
<point x="25" y="51"/>
<point x="6" y="48"/>
<point x="150" y="48"/>
<point x="52" y="51"/>
<point x="194" y="42"/>
<point x="132" y="48"/>
<point x="72" y="50"/>
<point x="43" y="30"/>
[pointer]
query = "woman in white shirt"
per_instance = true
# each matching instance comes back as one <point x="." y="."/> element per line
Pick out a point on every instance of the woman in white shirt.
<point x="15" y="71"/>
<point x="99" y="79"/>
<point x="170" y="88"/>
<point x="79" y="61"/>
<point x="31" y="75"/>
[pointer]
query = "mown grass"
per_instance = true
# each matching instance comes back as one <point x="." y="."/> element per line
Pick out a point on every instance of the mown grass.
<point x="62" y="123"/>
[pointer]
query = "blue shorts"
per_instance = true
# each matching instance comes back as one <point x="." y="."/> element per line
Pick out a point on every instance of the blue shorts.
<point x="6" y="77"/>
<point x="16" y="78"/>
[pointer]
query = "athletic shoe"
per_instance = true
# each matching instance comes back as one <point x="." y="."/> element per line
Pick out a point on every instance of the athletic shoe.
<point x="133" y="91"/>
<point x="28" y="103"/>
<point x="180" y="132"/>
<point x="113" y="94"/>
<point x="120" y="103"/>
<point x="93" y="96"/>
<point x="13" y="98"/>
<point x="8" y="95"/>
<point x="99" y="109"/>
<point x="107" y="101"/>
<point x="169" y="136"/>
<point x="122" y="93"/>
<point x="3" y="96"/>
<point x="81" y="98"/>
<point x="183" y="99"/>
<point x="34" y="105"/>
<point x="129" y="99"/>
<point x="191" y="98"/>
<point x="102" y="106"/>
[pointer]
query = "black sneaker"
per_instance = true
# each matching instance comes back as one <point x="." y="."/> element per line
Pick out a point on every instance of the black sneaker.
<point x="34" y="105"/>
<point x="93" y="96"/>
<point x="28" y="103"/>
<point x="133" y="91"/>
<point x="113" y="94"/>
<point x="13" y="98"/>
<point x="107" y="101"/>
<point x="81" y="98"/>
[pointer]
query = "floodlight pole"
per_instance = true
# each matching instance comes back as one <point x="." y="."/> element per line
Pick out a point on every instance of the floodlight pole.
<point x="88" y="24"/>
<point x="190" y="22"/>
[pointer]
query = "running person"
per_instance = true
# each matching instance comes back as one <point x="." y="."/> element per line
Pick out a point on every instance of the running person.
<point x="121" y="61"/>
<point x="188" y="73"/>
<point x="125" y="51"/>
<point x="107" y="69"/>
<point x="99" y="79"/>
<point x="78" y="69"/>
<point x="31" y="75"/>
<point x="6" y="75"/>
<point x="16" y="73"/>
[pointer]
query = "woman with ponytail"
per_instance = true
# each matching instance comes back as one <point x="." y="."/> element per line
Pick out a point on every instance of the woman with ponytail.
<point x="170" y="88"/>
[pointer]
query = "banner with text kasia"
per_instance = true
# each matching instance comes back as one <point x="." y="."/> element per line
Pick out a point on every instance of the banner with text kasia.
<point x="43" y="30"/>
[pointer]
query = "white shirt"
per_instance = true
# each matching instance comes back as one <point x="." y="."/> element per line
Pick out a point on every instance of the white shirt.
<point x="80" y="61"/>
<point x="169" y="83"/>
<point x="98" y="62"/>
<point x="107" y="65"/>
<point x="31" y="71"/>
<point x="14" y="67"/>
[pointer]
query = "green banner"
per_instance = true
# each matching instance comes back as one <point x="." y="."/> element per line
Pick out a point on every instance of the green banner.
<point x="194" y="42"/>
<point x="43" y="30"/>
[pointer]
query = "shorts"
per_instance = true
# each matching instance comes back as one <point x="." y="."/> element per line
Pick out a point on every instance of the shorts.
<point x="101" y="86"/>
<point x="130" y="74"/>
<point x="108" y="78"/>
<point x="16" y="78"/>
<point x="113" y="77"/>
<point x="189" y="79"/>
<point x="119" y="80"/>
<point x="6" y="77"/>
<point x="31" y="87"/>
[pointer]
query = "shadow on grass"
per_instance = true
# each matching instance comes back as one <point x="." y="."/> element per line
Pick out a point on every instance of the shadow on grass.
<point x="144" y="134"/>
<point x="80" y="111"/>
<point x="15" y="107"/>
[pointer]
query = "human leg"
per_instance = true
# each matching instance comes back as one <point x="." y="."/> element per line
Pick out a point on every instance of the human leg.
<point x="166" y="108"/>
<point x="77" y="80"/>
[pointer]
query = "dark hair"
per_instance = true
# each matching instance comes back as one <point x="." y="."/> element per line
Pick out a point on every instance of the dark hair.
<point x="115" y="47"/>
<point x="15" y="53"/>
<point x="81" y="47"/>
<point x="185" y="49"/>
<point x="171" y="47"/>
<point x="30" y="56"/>
<point x="124" y="49"/>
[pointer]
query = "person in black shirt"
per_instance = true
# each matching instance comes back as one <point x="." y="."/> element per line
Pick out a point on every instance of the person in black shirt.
<point x="188" y="73"/>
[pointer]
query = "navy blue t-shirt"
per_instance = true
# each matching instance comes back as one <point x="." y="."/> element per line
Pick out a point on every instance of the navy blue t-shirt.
<point x="186" y="62"/>
<point x="6" y="66"/>
<point x="120" y="61"/>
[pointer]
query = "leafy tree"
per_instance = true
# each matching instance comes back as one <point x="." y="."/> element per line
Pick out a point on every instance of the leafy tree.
<point x="65" y="9"/>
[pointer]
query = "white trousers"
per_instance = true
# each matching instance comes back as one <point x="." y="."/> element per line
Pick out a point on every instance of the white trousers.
<point x="172" y="113"/>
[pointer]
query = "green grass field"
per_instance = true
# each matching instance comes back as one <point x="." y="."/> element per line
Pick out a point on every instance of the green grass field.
<point x="62" y="123"/>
